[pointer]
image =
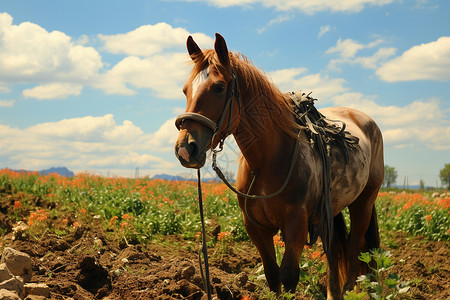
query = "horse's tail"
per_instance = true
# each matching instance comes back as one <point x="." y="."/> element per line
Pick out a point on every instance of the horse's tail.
<point x="339" y="247"/>
<point x="372" y="239"/>
<point x="372" y="235"/>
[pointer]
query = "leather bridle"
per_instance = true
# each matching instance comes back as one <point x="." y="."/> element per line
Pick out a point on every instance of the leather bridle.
<point x="232" y="92"/>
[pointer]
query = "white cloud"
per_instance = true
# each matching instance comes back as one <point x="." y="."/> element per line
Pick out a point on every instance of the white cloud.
<point x="163" y="74"/>
<point x="150" y="39"/>
<point x="53" y="91"/>
<point x="165" y="137"/>
<point x="6" y="103"/>
<point x="429" y="61"/>
<point x="323" y="30"/>
<point x="420" y="122"/>
<point x="28" y="53"/>
<point x="61" y="67"/>
<point x="305" y="6"/>
<point x="86" y="143"/>
<point x="371" y="62"/>
<point x="322" y="87"/>
<point x="347" y="49"/>
<point x="94" y="129"/>
<point x="277" y="20"/>
<point x="130" y="160"/>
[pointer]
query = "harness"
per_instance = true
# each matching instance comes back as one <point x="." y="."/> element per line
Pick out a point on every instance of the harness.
<point x="322" y="134"/>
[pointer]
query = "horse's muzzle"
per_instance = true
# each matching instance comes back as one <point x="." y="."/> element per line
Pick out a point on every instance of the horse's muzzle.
<point x="190" y="153"/>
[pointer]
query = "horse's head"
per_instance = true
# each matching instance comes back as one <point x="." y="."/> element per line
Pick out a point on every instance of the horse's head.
<point x="210" y="92"/>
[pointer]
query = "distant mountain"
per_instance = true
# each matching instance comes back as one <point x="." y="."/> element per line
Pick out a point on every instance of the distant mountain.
<point x="63" y="171"/>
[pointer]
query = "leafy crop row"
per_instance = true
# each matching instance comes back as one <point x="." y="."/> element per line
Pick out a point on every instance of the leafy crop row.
<point x="153" y="206"/>
<point x="164" y="207"/>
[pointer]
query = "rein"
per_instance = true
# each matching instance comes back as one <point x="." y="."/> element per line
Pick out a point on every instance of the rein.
<point x="247" y="195"/>
<point x="205" y="276"/>
<point x="233" y="90"/>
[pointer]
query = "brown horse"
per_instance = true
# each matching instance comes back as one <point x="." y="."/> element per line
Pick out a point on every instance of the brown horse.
<point x="226" y="95"/>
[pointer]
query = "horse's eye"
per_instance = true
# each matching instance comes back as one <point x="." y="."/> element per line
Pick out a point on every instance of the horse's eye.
<point x="218" y="88"/>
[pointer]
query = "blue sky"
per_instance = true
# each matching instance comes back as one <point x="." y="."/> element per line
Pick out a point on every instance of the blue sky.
<point x="95" y="85"/>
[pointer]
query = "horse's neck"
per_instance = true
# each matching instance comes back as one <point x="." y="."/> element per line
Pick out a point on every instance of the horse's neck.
<point x="260" y="140"/>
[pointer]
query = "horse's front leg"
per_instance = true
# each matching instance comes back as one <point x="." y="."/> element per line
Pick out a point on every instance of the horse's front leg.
<point x="263" y="240"/>
<point x="295" y="232"/>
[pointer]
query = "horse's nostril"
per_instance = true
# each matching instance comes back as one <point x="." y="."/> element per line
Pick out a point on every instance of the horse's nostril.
<point x="192" y="149"/>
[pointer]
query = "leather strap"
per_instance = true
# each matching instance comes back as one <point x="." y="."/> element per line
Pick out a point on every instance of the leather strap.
<point x="195" y="117"/>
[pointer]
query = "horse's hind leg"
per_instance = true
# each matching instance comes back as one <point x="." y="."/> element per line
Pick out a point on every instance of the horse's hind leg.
<point x="363" y="234"/>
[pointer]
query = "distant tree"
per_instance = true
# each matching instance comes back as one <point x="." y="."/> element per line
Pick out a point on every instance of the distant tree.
<point x="422" y="184"/>
<point x="444" y="174"/>
<point x="390" y="176"/>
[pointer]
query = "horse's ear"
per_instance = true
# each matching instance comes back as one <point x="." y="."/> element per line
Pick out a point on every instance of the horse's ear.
<point x="192" y="47"/>
<point x="221" y="49"/>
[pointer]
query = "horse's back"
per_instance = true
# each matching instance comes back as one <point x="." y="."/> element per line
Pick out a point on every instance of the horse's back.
<point x="357" y="122"/>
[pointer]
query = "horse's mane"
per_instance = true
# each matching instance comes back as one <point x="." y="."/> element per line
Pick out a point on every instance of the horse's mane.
<point x="257" y="84"/>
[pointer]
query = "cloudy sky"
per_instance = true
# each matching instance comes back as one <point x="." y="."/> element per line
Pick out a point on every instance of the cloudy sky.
<point x="95" y="85"/>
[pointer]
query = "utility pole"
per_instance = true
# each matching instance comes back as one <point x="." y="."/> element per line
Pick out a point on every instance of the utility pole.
<point x="136" y="172"/>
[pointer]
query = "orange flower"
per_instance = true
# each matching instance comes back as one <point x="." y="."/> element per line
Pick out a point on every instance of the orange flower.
<point x="41" y="215"/>
<point x="223" y="235"/>
<point x="315" y="254"/>
<point x="428" y="217"/>
<point x="75" y="224"/>
<point x="277" y="241"/>
<point x="17" y="204"/>
<point x="113" y="221"/>
<point x="83" y="211"/>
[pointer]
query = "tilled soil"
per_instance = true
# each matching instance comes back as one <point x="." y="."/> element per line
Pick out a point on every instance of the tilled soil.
<point x="90" y="263"/>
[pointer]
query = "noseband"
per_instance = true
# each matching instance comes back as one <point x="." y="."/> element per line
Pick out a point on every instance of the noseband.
<point x="232" y="91"/>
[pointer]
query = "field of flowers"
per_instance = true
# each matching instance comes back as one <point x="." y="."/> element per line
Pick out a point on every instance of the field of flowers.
<point x="137" y="208"/>
<point x="143" y="207"/>
<point x="415" y="213"/>
<point x="140" y="211"/>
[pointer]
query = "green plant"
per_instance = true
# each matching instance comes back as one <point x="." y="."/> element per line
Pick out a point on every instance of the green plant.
<point x="385" y="285"/>
<point x="224" y="244"/>
<point x="354" y="295"/>
<point x="311" y="270"/>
